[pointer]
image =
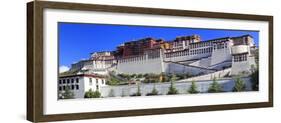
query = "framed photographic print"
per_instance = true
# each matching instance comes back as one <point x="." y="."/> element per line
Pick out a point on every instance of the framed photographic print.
<point x="90" y="61"/>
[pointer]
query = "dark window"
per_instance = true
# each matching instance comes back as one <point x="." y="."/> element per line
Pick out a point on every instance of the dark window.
<point x="63" y="88"/>
<point x="240" y="58"/>
<point x="91" y="82"/>
<point x="97" y="81"/>
<point x="59" y="81"/>
<point x="77" y="80"/>
<point x="102" y="81"/>
<point x="72" y="87"/>
<point x="77" y="87"/>
<point x="97" y="87"/>
<point x="63" y="81"/>
<point x="68" y="81"/>
<point x="72" y="80"/>
<point x="60" y="88"/>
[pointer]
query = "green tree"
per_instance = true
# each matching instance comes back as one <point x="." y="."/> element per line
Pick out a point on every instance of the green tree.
<point x="193" y="88"/>
<point x="139" y="76"/>
<point x="92" y="94"/>
<point x="67" y="94"/>
<point x="215" y="87"/>
<point x="255" y="80"/>
<point x="138" y="93"/>
<point x="153" y="92"/>
<point x="172" y="89"/>
<point x="112" y="81"/>
<point x="239" y="85"/>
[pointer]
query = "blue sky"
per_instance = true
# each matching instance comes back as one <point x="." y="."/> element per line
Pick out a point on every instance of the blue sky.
<point x="78" y="40"/>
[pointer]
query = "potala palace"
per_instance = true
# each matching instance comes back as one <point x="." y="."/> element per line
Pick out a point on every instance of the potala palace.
<point x="185" y="54"/>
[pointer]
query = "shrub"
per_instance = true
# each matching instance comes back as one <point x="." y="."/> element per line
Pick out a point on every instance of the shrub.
<point x="139" y="76"/>
<point x="153" y="92"/>
<point x="92" y="94"/>
<point x="172" y="89"/>
<point x="112" y="81"/>
<point x="215" y="87"/>
<point x="152" y="78"/>
<point x="239" y="85"/>
<point x="255" y="80"/>
<point x="138" y="93"/>
<point x="193" y="88"/>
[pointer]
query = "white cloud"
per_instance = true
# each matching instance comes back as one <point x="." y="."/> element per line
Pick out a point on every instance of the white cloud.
<point x="63" y="69"/>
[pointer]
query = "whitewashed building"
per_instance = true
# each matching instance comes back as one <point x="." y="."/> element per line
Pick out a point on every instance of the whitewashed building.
<point x="79" y="84"/>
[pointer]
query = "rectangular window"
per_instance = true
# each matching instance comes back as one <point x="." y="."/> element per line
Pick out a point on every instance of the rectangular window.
<point x="72" y="87"/>
<point x="77" y="80"/>
<point x="59" y="81"/>
<point x="68" y="81"/>
<point x="63" y="87"/>
<point x="60" y="88"/>
<point x="72" y="80"/>
<point x="77" y="87"/>
<point x="97" y="87"/>
<point x="240" y="58"/>
<point x="90" y="80"/>
<point x="63" y="81"/>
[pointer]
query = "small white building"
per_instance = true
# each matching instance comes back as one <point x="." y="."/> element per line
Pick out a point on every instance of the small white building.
<point x="79" y="84"/>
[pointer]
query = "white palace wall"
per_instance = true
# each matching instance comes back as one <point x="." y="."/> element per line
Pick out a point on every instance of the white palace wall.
<point x="220" y="56"/>
<point x="154" y="65"/>
<point x="185" y="57"/>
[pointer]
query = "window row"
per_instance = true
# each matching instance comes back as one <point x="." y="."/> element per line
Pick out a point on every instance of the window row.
<point x="70" y="87"/>
<point x="176" y="54"/>
<point x="220" y="46"/>
<point x="200" y="51"/>
<point x="97" y="81"/>
<point x="239" y="58"/>
<point x="202" y="44"/>
<point x="64" y="81"/>
<point x="178" y="44"/>
<point x="139" y="58"/>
